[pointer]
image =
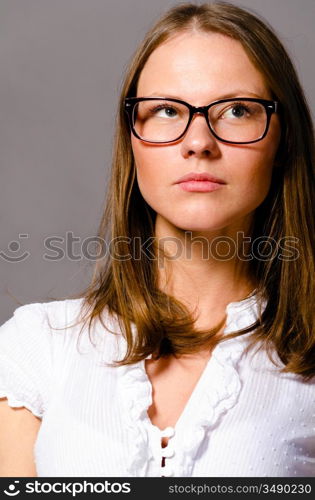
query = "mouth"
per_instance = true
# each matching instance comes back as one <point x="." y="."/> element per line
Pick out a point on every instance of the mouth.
<point x="200" y="182"/>
<point x="200" y="186"/>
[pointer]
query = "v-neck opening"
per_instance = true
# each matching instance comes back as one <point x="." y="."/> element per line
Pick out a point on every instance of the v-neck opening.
<point x="189" y="402"/>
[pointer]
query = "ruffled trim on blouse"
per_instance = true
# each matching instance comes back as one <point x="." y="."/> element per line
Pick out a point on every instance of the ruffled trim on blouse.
<point x="216" y="392"/>
<point x="18" y="389"/>
<point x="136" y="397"/>
<point x="17" y="402"/>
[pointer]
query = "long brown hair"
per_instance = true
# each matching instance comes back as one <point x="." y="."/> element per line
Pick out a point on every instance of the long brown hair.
<point x="128" y="287"/>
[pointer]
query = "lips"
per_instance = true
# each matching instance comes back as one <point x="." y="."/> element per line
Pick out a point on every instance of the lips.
<point x="199" y="177"/>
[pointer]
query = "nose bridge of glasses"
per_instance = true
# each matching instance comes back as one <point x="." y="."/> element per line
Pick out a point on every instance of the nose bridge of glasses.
<point x="201" y="111"/>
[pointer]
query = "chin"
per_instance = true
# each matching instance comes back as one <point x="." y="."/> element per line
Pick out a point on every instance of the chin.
<point x="200" y="228"/>
<point x="194" y="222"/>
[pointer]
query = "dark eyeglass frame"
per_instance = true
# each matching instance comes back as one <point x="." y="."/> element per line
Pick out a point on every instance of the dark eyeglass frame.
<point x="269" y="105"/>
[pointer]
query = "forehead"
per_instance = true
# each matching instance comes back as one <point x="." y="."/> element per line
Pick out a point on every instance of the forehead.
<point x="200" y="66"/>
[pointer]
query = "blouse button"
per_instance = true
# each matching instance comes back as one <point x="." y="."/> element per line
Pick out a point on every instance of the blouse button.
<point x="168" y="432"/>
<point x="168" y="451"/>
<point x="167" y="471"/>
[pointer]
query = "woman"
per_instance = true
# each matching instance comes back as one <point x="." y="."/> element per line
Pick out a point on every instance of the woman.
<point x="201" y="361"/>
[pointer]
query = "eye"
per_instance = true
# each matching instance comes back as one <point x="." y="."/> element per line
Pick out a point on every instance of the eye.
<point x="163" y="111"/>
<point x="237" y="111"/>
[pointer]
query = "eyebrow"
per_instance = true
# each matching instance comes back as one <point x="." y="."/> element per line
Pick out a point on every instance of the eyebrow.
<point x="235" y="93"/>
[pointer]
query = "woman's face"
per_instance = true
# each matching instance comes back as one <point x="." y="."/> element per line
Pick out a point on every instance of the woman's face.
<point x="201" y="68"/>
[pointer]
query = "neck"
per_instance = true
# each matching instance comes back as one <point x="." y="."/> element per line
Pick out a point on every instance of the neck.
<point x="204" y="269"/>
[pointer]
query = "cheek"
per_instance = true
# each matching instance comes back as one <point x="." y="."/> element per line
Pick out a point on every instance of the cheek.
<point x="151" y="171"/>
<point x="251" y="168"/>
<point x="252" y="184"/>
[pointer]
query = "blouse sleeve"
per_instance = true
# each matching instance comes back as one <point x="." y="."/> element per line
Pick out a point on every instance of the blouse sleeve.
<point x="26" y="359"/>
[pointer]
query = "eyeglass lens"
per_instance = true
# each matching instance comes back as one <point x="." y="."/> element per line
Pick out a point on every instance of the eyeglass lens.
<point x="163" y="120"/>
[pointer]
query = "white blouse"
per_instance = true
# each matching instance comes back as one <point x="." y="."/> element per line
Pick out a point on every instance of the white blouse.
<point x="243" y="418"/>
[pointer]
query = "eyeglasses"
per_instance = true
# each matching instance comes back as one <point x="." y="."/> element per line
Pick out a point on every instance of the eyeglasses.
<point x="237" y="121"/>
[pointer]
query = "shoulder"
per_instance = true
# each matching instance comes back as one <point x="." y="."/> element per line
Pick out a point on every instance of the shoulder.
<point x="36" y="320"/>
<point x="28" y="351"/>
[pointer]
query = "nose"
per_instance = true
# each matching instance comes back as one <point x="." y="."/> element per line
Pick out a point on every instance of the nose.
<point x="198" y="140"/>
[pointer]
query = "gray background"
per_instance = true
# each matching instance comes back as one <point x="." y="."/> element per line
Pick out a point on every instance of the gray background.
<point x="61" y="69"/>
